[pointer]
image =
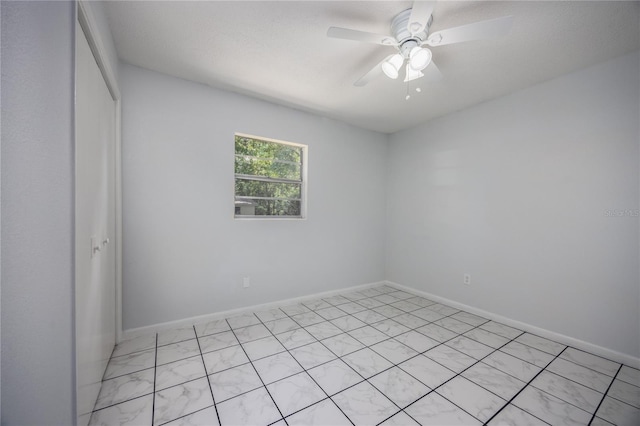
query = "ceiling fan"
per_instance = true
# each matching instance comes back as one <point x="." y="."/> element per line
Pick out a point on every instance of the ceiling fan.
<point x="410" y="29"/>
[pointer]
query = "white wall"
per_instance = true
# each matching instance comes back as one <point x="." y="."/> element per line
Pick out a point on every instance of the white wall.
<point x="37" y="213"/>
<point x="185" y="255"/>
<point x="515" y="192"/>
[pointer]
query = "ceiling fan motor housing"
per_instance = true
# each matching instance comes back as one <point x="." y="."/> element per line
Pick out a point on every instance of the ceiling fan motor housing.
<point x="400" y="30"/>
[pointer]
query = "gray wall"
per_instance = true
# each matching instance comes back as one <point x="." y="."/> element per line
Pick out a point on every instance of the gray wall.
<point x="37" y="213"/>
<point x="516" y="192"/>
<point x="185" y="255"/>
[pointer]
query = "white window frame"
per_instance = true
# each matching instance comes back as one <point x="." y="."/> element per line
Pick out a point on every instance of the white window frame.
<point x="303" y="174"/>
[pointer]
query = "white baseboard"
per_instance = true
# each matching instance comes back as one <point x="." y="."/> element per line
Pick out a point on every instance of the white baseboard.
<point x="547" y="334"/>
<point x="186" y="322"/>
<point x="551" y="335"/>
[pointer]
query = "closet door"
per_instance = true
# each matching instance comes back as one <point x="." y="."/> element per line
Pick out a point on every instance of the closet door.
<point x="95" y="288"/>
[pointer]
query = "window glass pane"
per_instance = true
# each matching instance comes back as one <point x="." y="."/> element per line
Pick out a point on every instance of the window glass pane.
<point x="267" y="168"/>
<point x="253" y="188"/>
<point x="258" y="148"/>
<point x="257" y="207"/>
<point x="268" y="178"/>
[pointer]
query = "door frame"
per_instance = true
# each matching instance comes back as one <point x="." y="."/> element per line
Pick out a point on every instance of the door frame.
<point x="89" y="26"/>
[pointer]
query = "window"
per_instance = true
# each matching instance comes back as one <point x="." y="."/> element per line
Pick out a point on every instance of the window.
<point x="269" y="178"/>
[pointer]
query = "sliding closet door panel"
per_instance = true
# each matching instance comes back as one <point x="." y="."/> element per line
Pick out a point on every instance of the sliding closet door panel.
<point x="95" y="227"/>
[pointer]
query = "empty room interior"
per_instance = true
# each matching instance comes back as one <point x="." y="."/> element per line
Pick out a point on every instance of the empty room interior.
<point x="320" y="213"/>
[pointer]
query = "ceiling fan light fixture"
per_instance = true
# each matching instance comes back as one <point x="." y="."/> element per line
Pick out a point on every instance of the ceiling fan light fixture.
<point x="419" y="58"/>
<point x="391" y="67"/>
<point x="412" y="74"/>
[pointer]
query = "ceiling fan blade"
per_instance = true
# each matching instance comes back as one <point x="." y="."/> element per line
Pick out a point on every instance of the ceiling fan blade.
<point x="371" y="74"/>
<point x="491" y="28"/>
<point x="420" y="13"/>
<point x="347" y="34"/>
<point x="432" y="73"/>
<point x="411" y="74"/>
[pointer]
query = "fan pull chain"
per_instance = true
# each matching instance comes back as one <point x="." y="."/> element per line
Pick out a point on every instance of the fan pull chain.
<point x="408" y="96"/>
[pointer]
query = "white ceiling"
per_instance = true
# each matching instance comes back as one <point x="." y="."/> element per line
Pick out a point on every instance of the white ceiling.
<point x="279" y="51"/>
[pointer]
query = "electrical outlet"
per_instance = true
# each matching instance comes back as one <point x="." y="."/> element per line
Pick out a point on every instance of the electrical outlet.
<point x="467" y="279"/>
<point x="246" y="282"/>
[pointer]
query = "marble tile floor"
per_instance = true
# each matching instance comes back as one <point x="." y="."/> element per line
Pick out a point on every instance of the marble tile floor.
<point x="379" y="356"/>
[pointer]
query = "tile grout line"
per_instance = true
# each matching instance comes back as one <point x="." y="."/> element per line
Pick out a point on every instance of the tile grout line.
<point x="185" y="415"/>
<point x="423" y="352"/>
<point x="391" y="337"/>
<point x="624" y="402"/>
<point x="104" y="373"/>
<point x="254" y="369"/>
<point x="580" y="384"/>
<point x="324" y="320"/>
<point x="304" y="328"/>
<point x="123" y="401"/>
<point x="394" y="364"/>
<point x="418" y="353"/>
<point x="458" y="334"/>
<point x="131" y="372"/>
<point x="590" y="368"/>
<point x="592" y="354"/>
<point x="155" y="364"/>
<point x="477" y="361"/>
<point x="542" y="368"/>
<point x="604" y="395"/>
<point x="213" y="398"/>
<point x="587" y="368"/>
<point x="444" y="342"/>
<point x="112" y="378"/>
<point x="304" y="369"/>
<point x="526" y="386"/>
<point x="337" y="357"/>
